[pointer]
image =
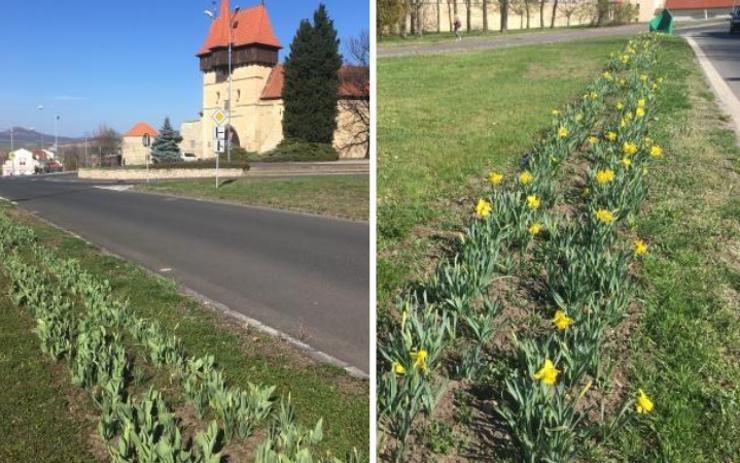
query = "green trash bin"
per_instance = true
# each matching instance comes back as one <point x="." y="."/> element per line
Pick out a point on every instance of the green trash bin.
<point x="662" y="22"/>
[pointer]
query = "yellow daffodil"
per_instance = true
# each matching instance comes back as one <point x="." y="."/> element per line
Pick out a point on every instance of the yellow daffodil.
<point x="592" y="140"/>
<point x="555" y="112"/>
<point x="420" y="359"/>
<point x="626" y="162"/>
<point x="593" y="95"/>
<point x="622" y="123"/>
<point x="562" y="321"/>
<point x="398" y="368"/>
<point x="579" y="117"/>
<point x="525" y="178"/>
<point x="641" y="103"/>
<point x="605" y="216"/>
<point x="648" y="141"/>
<point x="483" y="208"/>
<point x="604" y="176"/>
<point x="548" y="374"/>
<point x="644" y="171"/>
<point x="533" y="201"/>
<point x="655" y="86"/>
<point x="640" y="112"/>
<point x="563" y="132"/>
<point x="606" y="75"/>
<point x="535" y="229"/>
<point x="643" y="77"/>
<point x="620" y="105"/>
<point x="611" y="135"/>
<point x="640" y="247"/>
<point x="625" y="59"/>
<point x="656" y="151"/>
<point x="629" y="148"/>
<point x="643" y="404"/>
<point x="622" y="82"/>
<point x="628" y="116"/>
<point x="495" y="177"/>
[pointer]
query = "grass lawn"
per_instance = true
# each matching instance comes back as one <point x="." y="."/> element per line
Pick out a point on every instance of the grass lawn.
<point x="684" y="340"/>
<point x="444" y="122"/>
<point x="36" y="424"/>
<point x="688" y="341"/>
<point x="345" y="196"/>
<point x="317" y="390"/>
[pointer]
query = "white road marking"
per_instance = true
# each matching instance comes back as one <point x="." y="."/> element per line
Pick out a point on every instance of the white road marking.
<point x="165" y="270"/>
<point x="728" y="100"/>
<point x="114" y="187"/>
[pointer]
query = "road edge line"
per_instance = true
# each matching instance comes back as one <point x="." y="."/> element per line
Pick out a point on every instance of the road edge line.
<point x="728" y="102"/>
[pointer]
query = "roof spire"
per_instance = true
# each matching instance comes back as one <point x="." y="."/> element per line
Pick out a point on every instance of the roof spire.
<point x="225" y="9"/>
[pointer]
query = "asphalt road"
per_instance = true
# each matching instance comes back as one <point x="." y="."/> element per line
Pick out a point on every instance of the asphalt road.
<point x="723" y="51"/>
<point x="516" y="39"/>
<point x="304" y="275"/>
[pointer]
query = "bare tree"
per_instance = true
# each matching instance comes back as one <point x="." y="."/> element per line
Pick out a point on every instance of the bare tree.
<point x="504" y="9"/>
<point x="568" y="9"/>
<point x="554" y="13"/>
<point x="517" y="7"/>
<point x="358" y="48"/>
<point x="106" y="142"/>
<point x="468" y="15"/>
<point x="542" y="13"/>
<point x="485" y="15"/>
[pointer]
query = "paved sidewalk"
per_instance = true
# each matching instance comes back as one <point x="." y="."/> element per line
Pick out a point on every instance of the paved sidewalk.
<point x="519" y="39"/>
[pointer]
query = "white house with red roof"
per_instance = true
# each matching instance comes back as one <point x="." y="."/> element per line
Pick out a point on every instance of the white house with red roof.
<point x="257" y="83"/>
<point x="133" y="151"/>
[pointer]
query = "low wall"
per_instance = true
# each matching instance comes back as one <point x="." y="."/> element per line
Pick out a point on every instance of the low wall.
<point x="142" y="174"/>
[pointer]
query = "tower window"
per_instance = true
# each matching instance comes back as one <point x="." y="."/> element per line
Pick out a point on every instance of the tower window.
<point x="218" y="97"/>
<point x="238" y="95"/>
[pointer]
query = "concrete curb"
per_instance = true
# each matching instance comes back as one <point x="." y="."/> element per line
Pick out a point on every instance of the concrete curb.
<point x="728" y="102"/>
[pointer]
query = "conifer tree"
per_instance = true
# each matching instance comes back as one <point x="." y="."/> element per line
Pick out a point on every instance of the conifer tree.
<point x="312" y="81"/>
<point x="165" y="147"/>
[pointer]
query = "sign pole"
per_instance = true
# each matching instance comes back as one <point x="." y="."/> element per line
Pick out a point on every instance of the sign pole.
<point x="146" y="140"/>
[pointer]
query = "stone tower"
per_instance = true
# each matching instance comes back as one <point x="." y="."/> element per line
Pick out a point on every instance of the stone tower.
<point x="256" y="123"/>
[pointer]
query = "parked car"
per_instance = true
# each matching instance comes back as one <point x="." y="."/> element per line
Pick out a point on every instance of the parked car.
<point x="188" y="157"/>
<point x="735" y="20"/>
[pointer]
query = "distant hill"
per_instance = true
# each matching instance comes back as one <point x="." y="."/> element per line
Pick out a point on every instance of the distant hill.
<point x="24" y="137"/>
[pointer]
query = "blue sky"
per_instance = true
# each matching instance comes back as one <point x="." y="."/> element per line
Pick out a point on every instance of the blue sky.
<point x="118" y="62"/>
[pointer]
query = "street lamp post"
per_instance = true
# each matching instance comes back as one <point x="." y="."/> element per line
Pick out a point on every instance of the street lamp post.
<point x="228" y="110"/>
<point x="56" y="134"/>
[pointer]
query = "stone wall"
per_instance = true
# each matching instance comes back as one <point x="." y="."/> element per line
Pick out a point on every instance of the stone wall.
<point x="143" y="174"/>
<point x="439" y="15"/>
<point x="351" y="138"/>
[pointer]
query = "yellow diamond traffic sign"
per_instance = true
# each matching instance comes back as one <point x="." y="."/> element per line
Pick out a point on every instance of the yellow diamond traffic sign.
<point x="219" y="116"/>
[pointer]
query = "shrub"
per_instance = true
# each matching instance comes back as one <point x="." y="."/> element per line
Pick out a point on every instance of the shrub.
<point x="297" y="150"/>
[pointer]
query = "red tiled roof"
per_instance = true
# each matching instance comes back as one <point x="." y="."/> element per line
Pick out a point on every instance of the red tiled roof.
<point x="697" y="4"/>
<point x="141" y="129"/>
<point x="39" y="155"/>
<point x="353" y="83"/>
<point x="251" y="26"/>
